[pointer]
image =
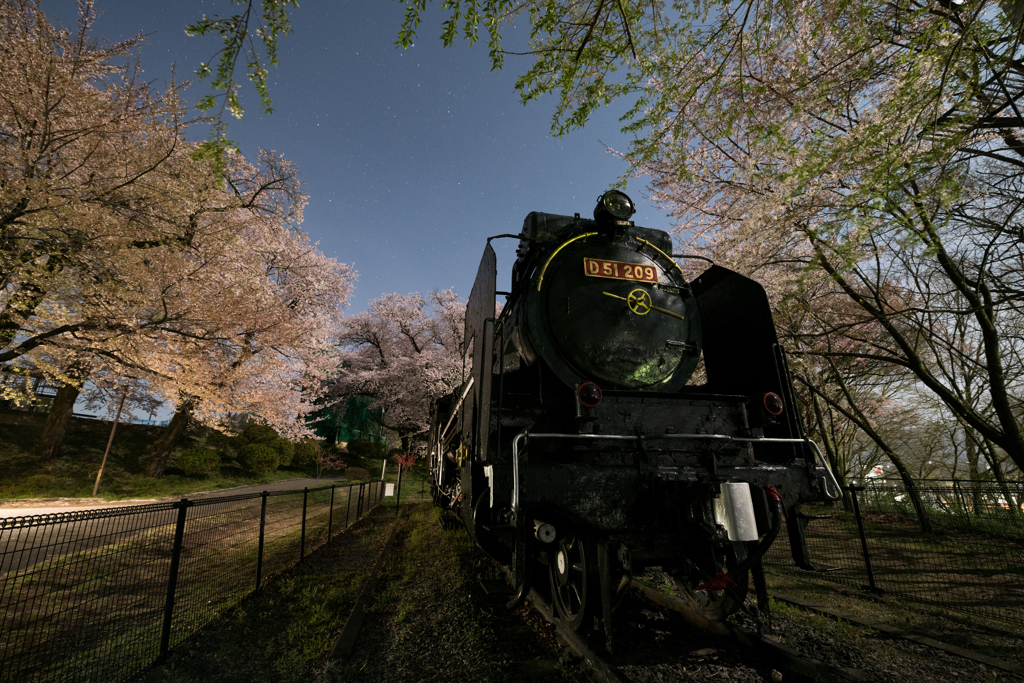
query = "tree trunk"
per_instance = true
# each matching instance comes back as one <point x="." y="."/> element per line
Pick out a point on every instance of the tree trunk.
<point x="48" y="446"/>
<point x="974" y="473"/>
<point x="162" y="447"/>
<point x="857" y="416"/>
<point x="910" y="485"/>
<point x="988" y="451"/>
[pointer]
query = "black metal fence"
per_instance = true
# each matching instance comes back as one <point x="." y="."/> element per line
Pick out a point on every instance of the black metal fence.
<point x="100" y="595"/>
<point x="972" y="562"/>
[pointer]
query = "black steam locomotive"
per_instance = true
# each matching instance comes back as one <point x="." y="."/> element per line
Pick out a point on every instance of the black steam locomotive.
<point x="616" y="416"/>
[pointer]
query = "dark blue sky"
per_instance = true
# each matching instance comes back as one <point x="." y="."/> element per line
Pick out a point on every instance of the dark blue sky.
<point x="411" y="158"/>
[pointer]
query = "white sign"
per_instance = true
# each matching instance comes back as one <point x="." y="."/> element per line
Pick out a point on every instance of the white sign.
<point x="389" y="489"/>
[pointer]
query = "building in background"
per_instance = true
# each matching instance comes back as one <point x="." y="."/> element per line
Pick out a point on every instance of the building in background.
<point x="39" y="391"/>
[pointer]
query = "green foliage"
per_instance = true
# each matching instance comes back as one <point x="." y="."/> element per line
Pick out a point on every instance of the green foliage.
<point x="578" y="46"/>
<point x="305" y="454"/>
<point x="260" y="433"/>
<point x="266" y="435"/>
<point x="259" y="458"/>
<point x="366" y="449"/>
<point x="236" y="34"/>
<point x="357" y="474"/>
<point x="286" y="449"/>
<point x="226" y="445"/>
<point x="25" y="476"/>
<point x="567" y="666"/>
<point x="199" y="460"/>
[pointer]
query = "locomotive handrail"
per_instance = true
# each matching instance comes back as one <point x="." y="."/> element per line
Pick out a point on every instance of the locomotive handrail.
<point x="564" y="244"/>
<point x="828" y="471"/>
<point x="702" y="258"/>
<point x="525" y="434"/>
<point x="455" y="409"/>
<point x="667" y="257"/>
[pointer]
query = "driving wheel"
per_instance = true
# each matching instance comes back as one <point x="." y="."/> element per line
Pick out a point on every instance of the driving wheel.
<point x="573" y="584"/>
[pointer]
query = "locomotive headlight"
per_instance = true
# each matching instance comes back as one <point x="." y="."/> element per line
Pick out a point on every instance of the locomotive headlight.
<point x="614" y="205"/>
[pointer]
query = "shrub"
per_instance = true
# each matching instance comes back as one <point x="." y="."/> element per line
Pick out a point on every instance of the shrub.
<point x="266" y="435"/>
<point x="306" y="452"/>
<point x="222" y="443"/>
<point x="286" y="451"/>
<point x="259" y="458"/>
<point x="198" y="460"/>
<point x="364" y="448"/>
<point x="327" y="461"/>
<point x="357" y="474"/>
<point x="258" y="433"/>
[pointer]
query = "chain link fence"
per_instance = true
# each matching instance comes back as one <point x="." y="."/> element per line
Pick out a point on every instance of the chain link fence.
<point x="972" y="562"/>
<point x="100" y="595"/>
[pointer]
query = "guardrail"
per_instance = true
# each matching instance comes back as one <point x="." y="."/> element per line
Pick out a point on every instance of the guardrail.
<point x="103" y="594"/>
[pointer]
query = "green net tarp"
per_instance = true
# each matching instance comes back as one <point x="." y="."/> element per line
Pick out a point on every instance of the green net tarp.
<point x="352" y="419"/>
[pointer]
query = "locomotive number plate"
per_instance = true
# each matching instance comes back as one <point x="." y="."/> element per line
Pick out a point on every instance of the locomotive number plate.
<point x="617" y="270"/>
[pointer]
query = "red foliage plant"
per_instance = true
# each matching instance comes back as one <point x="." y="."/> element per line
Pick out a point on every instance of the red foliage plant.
<point x="327" y="461"/>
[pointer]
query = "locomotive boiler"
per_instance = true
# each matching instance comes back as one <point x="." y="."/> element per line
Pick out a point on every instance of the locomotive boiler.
<point x="617" y="415"/>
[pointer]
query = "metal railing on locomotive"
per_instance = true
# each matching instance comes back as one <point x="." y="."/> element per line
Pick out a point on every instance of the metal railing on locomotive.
<point x="523" y="436"/>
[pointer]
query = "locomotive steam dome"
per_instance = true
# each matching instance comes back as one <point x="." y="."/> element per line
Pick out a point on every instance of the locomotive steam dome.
<point x="606" y="303"/>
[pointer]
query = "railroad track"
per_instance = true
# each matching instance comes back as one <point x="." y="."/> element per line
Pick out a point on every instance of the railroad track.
<point x="654" y="643"/>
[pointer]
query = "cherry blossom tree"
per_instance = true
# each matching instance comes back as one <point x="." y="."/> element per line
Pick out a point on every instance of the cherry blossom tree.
<point x="404" y="351"/>
<point x="127" y="251"/>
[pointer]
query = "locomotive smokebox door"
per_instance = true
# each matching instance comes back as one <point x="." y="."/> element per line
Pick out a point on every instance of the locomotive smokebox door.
<point x="610" y="308"/>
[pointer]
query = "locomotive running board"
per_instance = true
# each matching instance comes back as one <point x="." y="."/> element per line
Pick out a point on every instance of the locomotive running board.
<point x="523" y="437"/>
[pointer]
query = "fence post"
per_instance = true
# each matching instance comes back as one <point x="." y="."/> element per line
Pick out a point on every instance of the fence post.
<point x="398" y="494"/>
<point x="359" y="505"/>
<point x="348" y="504"/>
<point x="259" y="552"/>
<point x="302" y="541"/>
<point x="172" y="581"/>
<point x="330" y="516"/>
<point x="863" y="539"/>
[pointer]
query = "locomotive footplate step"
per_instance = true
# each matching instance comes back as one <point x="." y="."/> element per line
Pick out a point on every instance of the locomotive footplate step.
<point x="496" y="587"/>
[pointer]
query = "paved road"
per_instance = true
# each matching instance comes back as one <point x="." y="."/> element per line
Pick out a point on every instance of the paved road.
<point x="46" y="506"/>
<point x="25" y="546"/>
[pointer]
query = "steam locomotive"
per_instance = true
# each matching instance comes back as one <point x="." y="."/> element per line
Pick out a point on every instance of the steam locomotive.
<point x="616" y="416"/>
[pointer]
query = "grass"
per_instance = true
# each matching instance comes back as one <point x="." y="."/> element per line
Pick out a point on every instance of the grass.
<point x="973" y="576"/>
<point x="431" y="619"/>
<point x="97" y="613"/>
<point x="288" y="629"/>
<point x="74" y="473"/>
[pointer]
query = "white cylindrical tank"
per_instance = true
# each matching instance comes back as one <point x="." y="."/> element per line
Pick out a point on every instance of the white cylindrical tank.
<point x="734" y="509"/>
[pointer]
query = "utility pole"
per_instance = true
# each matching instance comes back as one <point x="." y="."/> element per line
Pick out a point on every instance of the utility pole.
<point x="110" y="441"/>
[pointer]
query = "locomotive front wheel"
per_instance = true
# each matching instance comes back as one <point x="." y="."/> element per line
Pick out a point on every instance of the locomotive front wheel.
<point x="573" y="587"/>
<point x="713" y="605"/>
